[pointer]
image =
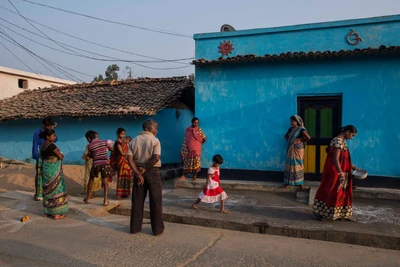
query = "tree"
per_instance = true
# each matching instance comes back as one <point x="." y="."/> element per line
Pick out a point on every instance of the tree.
<point x="98" y="78"/>
<point x="111" y="74"/>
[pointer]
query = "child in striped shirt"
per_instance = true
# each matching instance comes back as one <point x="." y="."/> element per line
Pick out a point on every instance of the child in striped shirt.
<point x="98" y="151"/>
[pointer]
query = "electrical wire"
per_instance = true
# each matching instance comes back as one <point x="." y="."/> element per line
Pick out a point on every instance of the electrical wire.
<point x="16" y="9"/>
<point x="20" y="59"/>
<point x="111" y="21"/>
<point x="52" y="63"/>
<point x="85" y="40"/>
<point x="99" y="59"/>
<point x="36" y="60"/>
<point x="141" y="65"/>
<point x="37" y="57"/>
<point x="69" y="75"/>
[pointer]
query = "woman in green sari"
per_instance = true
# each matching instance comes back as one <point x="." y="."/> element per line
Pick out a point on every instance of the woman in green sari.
<point x="55" y="200"/>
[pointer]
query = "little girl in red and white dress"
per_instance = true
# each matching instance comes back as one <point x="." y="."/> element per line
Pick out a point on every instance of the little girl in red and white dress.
<point x="212" y="191"/>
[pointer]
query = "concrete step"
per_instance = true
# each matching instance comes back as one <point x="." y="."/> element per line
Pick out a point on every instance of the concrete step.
<point x="304" y="196"/>
<point x="378" y="221"/>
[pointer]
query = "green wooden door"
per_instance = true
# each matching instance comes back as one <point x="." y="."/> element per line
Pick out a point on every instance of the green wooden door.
<point x="322" y="116"/>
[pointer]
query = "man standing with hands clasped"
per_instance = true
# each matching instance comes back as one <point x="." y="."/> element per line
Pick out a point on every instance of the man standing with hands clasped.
<point x="144" y="159"/>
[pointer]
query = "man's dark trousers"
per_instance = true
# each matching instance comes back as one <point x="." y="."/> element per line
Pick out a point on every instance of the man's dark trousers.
<point x="152" y="182"/>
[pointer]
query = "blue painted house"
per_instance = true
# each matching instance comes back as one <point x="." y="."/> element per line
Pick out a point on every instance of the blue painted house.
<point x="249" y="82"/>
<point x="103" y="107"/>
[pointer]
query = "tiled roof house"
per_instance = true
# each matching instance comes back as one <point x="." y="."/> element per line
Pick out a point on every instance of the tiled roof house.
<point x="144" y="96"/>
<point x="104" y="107"/>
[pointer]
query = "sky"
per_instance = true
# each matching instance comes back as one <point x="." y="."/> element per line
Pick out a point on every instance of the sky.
<point x="185" y="17"/>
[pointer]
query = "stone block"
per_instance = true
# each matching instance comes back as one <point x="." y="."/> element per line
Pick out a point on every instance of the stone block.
<point x="302" y="196"/>
<point x="313" y="191"/>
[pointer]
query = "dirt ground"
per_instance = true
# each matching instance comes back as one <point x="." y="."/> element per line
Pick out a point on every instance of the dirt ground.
<point x="21" y="177"/>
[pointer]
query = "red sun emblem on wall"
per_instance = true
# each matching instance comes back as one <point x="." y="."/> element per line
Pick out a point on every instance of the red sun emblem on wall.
<point x="225" y="48"/>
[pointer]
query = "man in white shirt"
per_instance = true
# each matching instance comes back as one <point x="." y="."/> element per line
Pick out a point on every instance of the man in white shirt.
<point x="144" y="153"/>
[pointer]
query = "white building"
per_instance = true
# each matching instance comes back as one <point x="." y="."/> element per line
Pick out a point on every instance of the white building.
<point x="13" y="82"/>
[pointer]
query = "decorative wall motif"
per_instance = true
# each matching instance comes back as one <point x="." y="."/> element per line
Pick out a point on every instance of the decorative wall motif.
<point x="225" y="48"/>
<point x="353" y="38"/>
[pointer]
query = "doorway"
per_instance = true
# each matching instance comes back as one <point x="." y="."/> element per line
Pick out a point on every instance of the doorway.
<point x="322" y="118"/>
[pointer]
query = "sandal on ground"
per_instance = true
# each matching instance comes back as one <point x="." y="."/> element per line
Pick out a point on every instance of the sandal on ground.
<point x="106" y="203"/>
<point x="59" y="217"/>
<point x="194" y="207"/>
<point x="36" y="198"/>
<point x="86" y="200"/>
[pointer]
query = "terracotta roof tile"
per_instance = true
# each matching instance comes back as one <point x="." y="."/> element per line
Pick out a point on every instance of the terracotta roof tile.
<point x="143" y="96"/>
<point x="382" y="50"/>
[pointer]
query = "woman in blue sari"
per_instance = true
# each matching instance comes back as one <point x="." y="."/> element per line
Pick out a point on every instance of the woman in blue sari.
<point x="55" y="200"/>
<point x="296" y="137"/>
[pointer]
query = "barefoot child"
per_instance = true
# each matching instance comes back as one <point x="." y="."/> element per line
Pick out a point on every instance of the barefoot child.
<point x="97" y="183"/>
<point x="98" y="150"/>
<point x="212" y="191"/>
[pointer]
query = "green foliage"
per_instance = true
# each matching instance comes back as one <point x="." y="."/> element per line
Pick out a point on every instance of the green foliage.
<point x="111" y="74"/>
<point x="98" y="78"/>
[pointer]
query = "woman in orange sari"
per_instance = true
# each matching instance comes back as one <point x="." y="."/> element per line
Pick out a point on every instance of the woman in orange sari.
<point x="191" y="149"/>
<point x="119" y="163"/>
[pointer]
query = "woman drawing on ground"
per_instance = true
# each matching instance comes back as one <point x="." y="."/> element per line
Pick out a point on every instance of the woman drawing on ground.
<point x="119" y="163"/>
<point x="97" y="184"/>
<point x="296" y="137"/>
<point x="55" y="200"/>
<point x="191" y="149"/>
<point x="334" y="197"/>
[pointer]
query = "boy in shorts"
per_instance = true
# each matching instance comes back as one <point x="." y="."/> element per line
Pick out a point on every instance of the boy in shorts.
<point x="98" y="151"/>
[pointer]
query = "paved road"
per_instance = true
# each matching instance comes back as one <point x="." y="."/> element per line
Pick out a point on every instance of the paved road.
<point x="82" y="240"/>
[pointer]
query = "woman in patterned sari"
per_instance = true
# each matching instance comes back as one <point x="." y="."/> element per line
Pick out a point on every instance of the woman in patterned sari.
<point x="334" y="197"/>
<point x="191" y="149"/>
<point x="296" y="137"/>
<point x="55" y="200"/>
<point x="119" y="163"/>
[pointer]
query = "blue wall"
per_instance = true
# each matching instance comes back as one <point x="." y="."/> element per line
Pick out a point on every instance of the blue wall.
<point x="244" y="110"/>
<point x="16" y="136"/>
<point x="311" y="37"/>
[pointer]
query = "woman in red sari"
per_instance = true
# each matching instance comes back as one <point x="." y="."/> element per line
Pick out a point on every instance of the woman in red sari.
<point x="191" y="149"/>
<point x="119" y="163"/>
<point x="334" y="197"/>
